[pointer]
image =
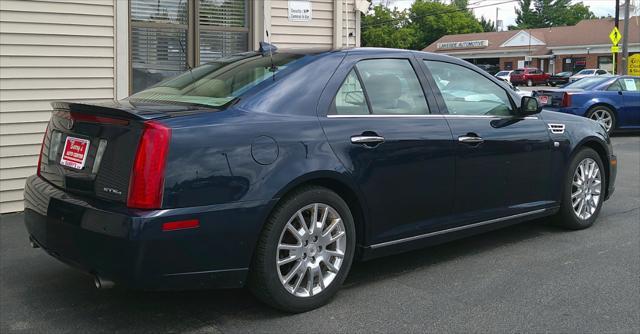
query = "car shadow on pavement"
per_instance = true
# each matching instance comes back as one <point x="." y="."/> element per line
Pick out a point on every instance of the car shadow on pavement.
<point x="67" y="290"/>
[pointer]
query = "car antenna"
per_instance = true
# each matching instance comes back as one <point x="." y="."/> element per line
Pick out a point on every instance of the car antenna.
<point x="185" y="53"/>
<point x="268" y="47"/>
<point x="188" y="65"/>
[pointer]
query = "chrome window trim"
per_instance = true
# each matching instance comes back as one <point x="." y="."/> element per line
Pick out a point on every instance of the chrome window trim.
<point x="431" y="116"/>
<point x="455" y="229"/>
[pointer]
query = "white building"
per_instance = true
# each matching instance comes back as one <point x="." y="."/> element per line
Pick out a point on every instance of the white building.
<point x="106" y="49"/>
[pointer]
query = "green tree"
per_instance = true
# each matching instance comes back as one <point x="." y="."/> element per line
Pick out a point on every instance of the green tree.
<point x="487" y="25"/>
<point x="432" y="19"/>
<point x="387" y="28"/>
<point x="548" y="13"/>
<point x="462" y="4"/>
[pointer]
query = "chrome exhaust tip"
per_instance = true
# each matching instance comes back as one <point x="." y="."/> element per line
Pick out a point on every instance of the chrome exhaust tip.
<point x="33" y="243"/>
<point x="102" y="283"/>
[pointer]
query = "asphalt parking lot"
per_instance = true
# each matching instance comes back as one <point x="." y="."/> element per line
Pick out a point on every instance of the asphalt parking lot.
<point x="527" y="278"/>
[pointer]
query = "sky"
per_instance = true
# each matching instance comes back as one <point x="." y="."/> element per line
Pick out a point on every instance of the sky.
<point x="506" y="11"/>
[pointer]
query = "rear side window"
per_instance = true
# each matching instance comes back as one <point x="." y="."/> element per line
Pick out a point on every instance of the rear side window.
<point x="350" y="99"/>
<point x="392" y="87"/>
<point x="518" y="72"/>
<point x="381" y="87"/>
<point x="466" y="92"/>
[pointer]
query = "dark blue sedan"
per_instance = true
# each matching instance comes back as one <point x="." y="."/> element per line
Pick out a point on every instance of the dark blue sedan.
<point x="612" y="101"/>
<point x="275" y="170"/>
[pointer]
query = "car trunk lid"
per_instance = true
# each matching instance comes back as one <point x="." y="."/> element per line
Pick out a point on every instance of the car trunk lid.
<point x="90" y="149"/>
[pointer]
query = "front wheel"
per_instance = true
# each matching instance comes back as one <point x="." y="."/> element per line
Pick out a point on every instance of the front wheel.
<point x="583" y="193"/>
<point x="305" y="251"/>
<point x="604" y="116"/>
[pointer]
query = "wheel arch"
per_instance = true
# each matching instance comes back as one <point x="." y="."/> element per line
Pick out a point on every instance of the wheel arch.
<point x="341" y="185"/>
<point x="602" y="151"/>
<point x="603" y="104"/>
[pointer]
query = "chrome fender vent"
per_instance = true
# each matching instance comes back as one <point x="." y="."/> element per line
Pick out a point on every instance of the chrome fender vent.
<point x="556" y="128"/>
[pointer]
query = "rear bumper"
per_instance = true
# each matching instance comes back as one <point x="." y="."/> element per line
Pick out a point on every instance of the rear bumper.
<point x="129" y="247"/>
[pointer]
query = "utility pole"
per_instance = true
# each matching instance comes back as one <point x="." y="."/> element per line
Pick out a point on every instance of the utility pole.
<point x="497" y="28"/>
<point x="616" y="22"/>
<point x="625" y="38"/>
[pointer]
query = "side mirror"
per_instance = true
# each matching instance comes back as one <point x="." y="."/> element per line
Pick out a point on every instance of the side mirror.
<point x="355" y="98"/>
<point x="529" y="106"/>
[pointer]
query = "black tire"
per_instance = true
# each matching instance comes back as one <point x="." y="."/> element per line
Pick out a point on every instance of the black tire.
<point x="552" y="84"/>
<point x="566" y="217"/>
<point x="597" y="108"/>
<point x="264" y="279"/>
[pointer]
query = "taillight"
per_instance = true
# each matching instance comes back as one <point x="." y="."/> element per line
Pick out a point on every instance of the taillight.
<point x="147" y="177"/>
<point x="566" y="100"/>
<point x="44" y="137"/>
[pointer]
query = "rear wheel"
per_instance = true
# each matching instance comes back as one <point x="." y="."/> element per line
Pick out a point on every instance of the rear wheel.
<point x="603" y="115"/>
<point x="583" y="192"/>
<point x="305" y="251"/>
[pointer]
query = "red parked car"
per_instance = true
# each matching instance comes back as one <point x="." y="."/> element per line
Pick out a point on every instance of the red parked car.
<point x="529" y="77"/>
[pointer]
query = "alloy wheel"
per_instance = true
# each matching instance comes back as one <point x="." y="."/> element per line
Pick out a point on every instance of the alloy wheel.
<point x="586" y="188"/>
<point x="311" y="250"/>
<point x="603" y="117"/>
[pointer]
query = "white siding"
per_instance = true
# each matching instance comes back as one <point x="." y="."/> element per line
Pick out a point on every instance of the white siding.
<point x="350" y="31"/>
<point x="49" y="50"/>
<point x="317" y="33"/>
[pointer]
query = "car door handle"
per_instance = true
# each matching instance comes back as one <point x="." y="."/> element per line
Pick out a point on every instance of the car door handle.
<point x="470" y="139"/>
<point x="367" y="140"/>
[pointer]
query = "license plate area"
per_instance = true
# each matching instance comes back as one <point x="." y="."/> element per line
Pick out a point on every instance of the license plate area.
<point x="75" y="151"/>
<point x="544" y="99"/>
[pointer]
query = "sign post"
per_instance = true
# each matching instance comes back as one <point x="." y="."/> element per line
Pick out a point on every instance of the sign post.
<point x="615" y="37"/>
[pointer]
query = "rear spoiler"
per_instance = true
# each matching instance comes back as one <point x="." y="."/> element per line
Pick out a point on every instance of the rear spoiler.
<point x="115" y="109"/>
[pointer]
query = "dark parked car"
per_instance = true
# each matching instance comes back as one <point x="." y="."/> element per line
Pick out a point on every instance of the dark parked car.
<point x="276" y="171"/>
<point x="613" y="101"/>
<point x="561" y="78"/>
<point x="528" y="76"/>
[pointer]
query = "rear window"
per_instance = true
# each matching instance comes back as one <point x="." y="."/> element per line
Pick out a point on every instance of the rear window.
<point x="586" y="72"/>
<point x="217" y="83"/>
<point x="587" y="83"/>
<point x="502" y="73"/>
<point x="564" y="74"/>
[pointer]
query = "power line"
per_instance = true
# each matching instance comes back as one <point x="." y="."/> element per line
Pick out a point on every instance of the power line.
<point x="442" y="12"/>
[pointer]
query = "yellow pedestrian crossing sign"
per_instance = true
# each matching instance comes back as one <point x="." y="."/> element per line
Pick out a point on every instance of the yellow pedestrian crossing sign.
<point x="615" y="36"/>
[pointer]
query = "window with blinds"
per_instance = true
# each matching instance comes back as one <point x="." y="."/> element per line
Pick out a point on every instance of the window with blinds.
<point x="169" y="35"/>
<point x="223" y="28"/>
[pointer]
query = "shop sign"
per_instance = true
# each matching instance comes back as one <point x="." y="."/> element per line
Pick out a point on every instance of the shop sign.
<point x="300" y="11"/>
<point x="633" y="64"/>
<point x="483" y="43"/>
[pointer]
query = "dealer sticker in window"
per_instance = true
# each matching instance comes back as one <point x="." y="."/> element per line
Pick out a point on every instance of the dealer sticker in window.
<point x="75" y="152"/>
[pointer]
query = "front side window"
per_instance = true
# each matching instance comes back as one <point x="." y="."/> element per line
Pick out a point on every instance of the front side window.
<point x="630" y="84"/>
<point x="466" y="92"/>
<point x="392" y="87"/>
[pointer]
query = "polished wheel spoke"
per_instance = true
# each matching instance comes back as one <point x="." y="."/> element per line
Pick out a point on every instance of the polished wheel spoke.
<point x="311" y="250"/>
<point x="586" y="188"/>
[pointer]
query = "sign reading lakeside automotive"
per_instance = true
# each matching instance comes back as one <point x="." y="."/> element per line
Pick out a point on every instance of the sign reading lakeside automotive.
<point x="482" y="43"/>
<point x="300" y="10"/>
